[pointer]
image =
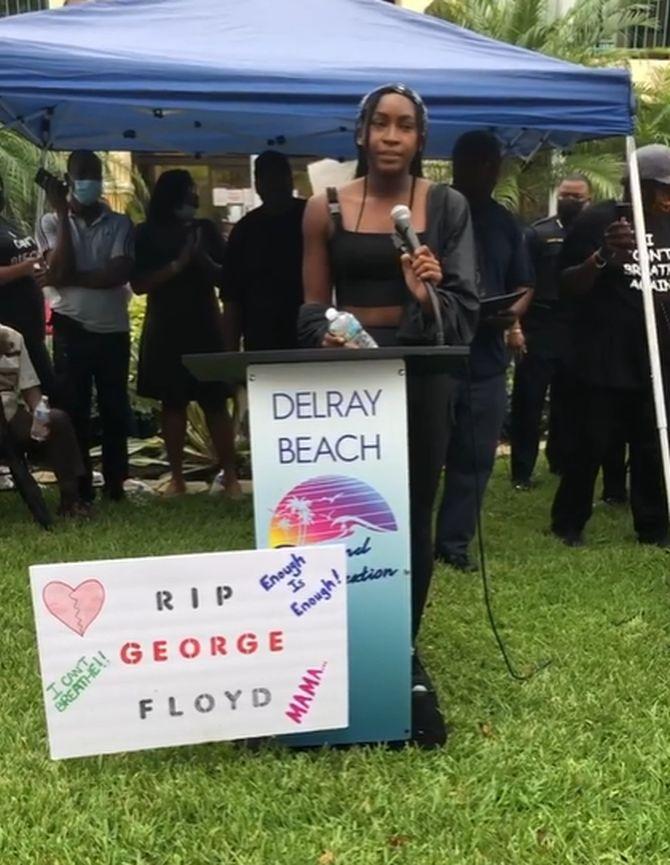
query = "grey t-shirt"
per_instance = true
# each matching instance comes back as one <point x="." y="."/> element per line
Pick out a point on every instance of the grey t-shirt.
<point x="99" y="310"/>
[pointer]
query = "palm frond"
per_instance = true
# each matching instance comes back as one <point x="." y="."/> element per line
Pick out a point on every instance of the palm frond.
<point x="19" y="161"/>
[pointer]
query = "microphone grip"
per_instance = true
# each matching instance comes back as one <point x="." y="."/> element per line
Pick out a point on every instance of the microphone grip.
<point x="411" y="238"/>
<point x="412" y="243"/>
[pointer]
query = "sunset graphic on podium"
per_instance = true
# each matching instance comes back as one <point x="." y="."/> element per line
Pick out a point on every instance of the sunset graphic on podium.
<point x="329" y="508"/>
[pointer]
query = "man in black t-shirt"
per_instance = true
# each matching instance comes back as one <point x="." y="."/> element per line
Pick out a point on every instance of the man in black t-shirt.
<point x="262" y="279"/>
<point x="546" y="328"/>
<point x="503" y="267"/>
<point x="609" y="354"/>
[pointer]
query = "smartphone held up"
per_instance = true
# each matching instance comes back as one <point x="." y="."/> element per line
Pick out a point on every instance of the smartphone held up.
<point x="44" y="178"/>
<point x="624" y="210"/>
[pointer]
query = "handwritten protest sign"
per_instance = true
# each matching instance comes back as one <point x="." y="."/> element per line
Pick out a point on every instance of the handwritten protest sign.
<point x="151" y="652"/>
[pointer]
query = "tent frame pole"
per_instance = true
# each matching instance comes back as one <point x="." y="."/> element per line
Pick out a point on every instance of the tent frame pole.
<point x="40" y="202"/>
<point x="649" y="312"/>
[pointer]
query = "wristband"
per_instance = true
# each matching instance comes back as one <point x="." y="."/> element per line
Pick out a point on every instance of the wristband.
<point x="599" y="260"/>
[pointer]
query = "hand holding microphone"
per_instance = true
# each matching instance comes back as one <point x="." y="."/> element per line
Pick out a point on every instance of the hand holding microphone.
<point x="421" y="269"/>
<point x="419" y="264"/>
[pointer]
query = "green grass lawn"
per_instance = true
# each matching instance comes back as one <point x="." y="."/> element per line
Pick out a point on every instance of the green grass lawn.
<point x="570" y="767"/>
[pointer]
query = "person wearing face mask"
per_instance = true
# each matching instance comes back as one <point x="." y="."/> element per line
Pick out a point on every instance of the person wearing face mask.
<point x="21" y="300"/>
<point x="613" y="396"/>
<point x="542" y="331"/>
<point x="89" y="254"/>
<point x="178" y="266"/>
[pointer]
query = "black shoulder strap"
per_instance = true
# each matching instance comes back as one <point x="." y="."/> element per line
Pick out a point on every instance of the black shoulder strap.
<point x="334" y="207"/>
<point x="439" y="216"/>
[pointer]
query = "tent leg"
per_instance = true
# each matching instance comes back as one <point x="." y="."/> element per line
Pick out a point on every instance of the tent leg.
<point x="252" y="181"/>
<point x="649" y="312"/>
<point x="41" y="194"/>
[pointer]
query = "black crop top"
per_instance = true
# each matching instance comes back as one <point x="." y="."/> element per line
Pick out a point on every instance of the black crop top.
<point x="448" y="234"/>
<point x="366" y="266"/>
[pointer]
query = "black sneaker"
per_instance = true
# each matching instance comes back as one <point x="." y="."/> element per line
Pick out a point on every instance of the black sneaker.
<point x="429" y="730"/>
<point x="77" y="510"/>
<point x="662" y="543"/>
<point x="615" y="500"/>
<point x="114" y="492"/>
<point x="458" y="561"/>
<point x="421" y="683"/>
<point x="571" y="538"/>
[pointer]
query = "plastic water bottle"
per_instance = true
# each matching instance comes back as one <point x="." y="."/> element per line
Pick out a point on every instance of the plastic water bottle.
<point x="347" y="326"/>
<point x="41" y="418"/>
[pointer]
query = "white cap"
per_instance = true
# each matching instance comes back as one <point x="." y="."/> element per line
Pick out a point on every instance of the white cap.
<point x="332" y="313"/>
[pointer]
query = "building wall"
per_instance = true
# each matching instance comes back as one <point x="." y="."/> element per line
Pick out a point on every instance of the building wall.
<point x="416" y="5"/>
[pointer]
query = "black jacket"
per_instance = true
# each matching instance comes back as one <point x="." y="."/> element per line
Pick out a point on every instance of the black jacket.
<point x="449" y="236"/>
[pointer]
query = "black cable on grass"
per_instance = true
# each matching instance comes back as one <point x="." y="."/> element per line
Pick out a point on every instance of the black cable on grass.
<point x="511" y="669"/>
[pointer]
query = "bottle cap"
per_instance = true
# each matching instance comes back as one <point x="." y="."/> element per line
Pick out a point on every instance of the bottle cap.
<point x="331" y="314"/>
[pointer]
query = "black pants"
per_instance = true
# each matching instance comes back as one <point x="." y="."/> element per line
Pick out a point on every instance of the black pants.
<point x="534" y="374"/>
<point x="429" y="409"/>
<point x="603" y="416"/>
<point x="463" y="484"/>
<point x="59" y="450"/>
<point x="41" y="361"/>
<point x="82" y="358"/>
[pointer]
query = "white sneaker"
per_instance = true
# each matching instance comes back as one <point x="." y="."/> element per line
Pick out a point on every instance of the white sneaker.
<point x="217" y="487"/>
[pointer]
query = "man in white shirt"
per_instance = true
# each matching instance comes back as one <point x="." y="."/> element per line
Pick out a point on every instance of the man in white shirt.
<point x="20" y="393"/>
<point x="89" y="251"/>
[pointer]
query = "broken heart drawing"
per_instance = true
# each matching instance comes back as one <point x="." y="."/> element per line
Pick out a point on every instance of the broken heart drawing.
<point x="76" y="608"/>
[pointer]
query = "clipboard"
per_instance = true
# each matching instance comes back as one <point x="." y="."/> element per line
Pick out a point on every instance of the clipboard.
<point x="491" y="306"/>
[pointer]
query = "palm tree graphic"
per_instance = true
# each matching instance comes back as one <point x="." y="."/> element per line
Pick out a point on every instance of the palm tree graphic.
<point x="301" y="510"/>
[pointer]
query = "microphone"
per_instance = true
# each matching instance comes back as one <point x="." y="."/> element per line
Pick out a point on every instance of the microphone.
<point x="404" y="231"/>
<point x="402" y="220"/>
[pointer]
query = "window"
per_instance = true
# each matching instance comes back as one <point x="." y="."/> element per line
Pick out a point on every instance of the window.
<point x="15" y="7"/>
<point x="656" y="36"/>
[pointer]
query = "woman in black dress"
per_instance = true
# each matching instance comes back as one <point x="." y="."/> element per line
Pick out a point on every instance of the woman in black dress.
<point x="348" y="249"/>
<point x="21" y="299"/>
<point x="178" y="265"/>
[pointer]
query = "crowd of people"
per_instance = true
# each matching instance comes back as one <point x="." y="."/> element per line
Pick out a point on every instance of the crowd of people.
<point x="86" y="262"/>
<point x="574" y="323"/>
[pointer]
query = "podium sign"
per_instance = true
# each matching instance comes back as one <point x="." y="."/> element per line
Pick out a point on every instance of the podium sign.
<point x="329" y="457"/>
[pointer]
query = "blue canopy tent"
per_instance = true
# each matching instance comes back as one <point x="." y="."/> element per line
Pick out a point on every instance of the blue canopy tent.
<point x="224" y="76"/>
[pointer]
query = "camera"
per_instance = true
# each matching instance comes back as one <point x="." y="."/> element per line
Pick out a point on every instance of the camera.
<point x="624" y="210"/>
<point x="44" y="177"/>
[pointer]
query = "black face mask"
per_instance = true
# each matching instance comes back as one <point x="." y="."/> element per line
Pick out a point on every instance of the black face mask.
<point x="569" y="209"/>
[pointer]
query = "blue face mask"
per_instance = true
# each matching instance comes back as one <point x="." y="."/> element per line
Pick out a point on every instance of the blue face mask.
<point x="87" y="191"/>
